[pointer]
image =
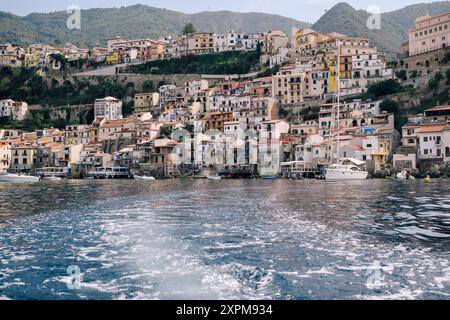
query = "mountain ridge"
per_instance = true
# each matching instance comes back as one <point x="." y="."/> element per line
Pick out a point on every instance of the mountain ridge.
<point x="138" y="21"/>
<point x="134" y="22"/>
<point x="345" y="19"/>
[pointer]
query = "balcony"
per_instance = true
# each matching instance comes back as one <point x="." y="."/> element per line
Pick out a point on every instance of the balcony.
<point x="430" y="156"/>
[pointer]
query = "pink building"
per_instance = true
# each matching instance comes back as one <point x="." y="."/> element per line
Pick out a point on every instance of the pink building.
<point x="429" y="34"/>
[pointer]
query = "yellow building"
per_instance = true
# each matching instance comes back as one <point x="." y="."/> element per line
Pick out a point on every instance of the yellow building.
<point x="332" y="76"/>
<point x="346" y="67"/>
<point x="158" y="50"/>
<point x="306" y="39"/>
<point x="145" y="102"/>
<point x="112" y="58"/>
<point x="31" y="60"/>
<point x="201" y="42"/>
<point x="23" y="157"/>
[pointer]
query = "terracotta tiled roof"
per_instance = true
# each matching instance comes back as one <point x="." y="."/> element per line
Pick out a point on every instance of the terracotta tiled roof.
<point x="439" y="108"/>
<point x="429" y="129"/>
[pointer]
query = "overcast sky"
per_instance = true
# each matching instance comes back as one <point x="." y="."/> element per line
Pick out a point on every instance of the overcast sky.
<point x="305" y="10"/>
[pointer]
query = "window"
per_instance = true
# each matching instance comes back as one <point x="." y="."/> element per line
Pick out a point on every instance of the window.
<point x="425" y="151"/>
<point x="425" y="139"/>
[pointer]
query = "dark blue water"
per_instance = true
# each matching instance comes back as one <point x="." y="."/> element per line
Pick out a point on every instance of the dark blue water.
<point x="187" y="239"/>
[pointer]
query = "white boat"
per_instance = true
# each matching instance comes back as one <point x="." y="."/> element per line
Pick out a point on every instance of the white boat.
<point x="405" y="175"/>
<point x="345" y="172"/>
<point x="214" y="178"/>
<point x="144" y="178"/>
<point x="18" y="178"/>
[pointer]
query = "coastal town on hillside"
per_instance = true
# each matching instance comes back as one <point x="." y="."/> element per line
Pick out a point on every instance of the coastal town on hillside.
<point x="235" y="126"/>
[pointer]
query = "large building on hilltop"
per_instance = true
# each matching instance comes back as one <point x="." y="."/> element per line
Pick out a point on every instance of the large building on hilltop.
<point x="429" y="34"/>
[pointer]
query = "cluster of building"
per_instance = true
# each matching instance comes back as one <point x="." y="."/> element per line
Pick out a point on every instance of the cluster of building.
<point x="121" y="50"/>
<point x="425" y="139"/>
<point x="236" y="125"/>
<point x="44" y="55"/>
<point x="233" y="126"/>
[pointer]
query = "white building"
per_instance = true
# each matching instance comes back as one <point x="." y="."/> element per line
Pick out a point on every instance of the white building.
<point x="17" y="110"/>
<point x="431" y="144"/>
<point x="270" y="147"/>
<point x="108" y="108"/>
<point x="5" y="157"/>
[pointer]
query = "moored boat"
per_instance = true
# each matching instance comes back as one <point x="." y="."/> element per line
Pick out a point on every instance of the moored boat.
<point x="144" y="178"/>
<point x="110" y="173"/>
<point x="214" y="178"/>
<point x="18" y="178"/>
<point x="405" y="175"/>
<point x="345" y="172"/>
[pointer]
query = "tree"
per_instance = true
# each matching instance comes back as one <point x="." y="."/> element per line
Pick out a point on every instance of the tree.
<point x="382" y="88"/>
<point x="438" y="76"/>
<point x="148" y="85"/>
<point x="165" y="132"/>
<point x="389" y="106"/>
<point x="189" y="127"/>
<point x="446" y="58"/>
<point x="447" y="75"/>
<point x="189" y="29"/>
<point x="401" y="74"/>
<point x="433" y="84"/>
<point x="128" y="108"/>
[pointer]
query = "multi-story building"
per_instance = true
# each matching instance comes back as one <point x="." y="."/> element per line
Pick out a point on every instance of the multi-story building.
<point x="146" y="102"/>
<point x="307" y="39"/>
<point x="430" y="139"/>
<point x="11" y="55"/>
<point x="108" y="108"/>
<point x="17" y="110"/>
<point x="290" y="86"/>
<point x="77" y="134"/>
<point x="270" y="147"/>
<point x="217" y="120"/>
<point x="23" y="157"/>
<point x="5" y="156"/>
<point x="429" y="34"/>
<point x="272" y="41"/>
<point x="201" y="43"/>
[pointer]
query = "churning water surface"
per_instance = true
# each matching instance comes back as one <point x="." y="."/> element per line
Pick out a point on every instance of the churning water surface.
<point x="183" y="239"/>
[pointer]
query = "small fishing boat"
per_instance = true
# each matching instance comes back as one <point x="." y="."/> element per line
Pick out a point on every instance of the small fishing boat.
<point x="144" y="178"/>
<point x="405" y="175"/>
<point x="214" y="178"/>
<point x="18" y="178"/>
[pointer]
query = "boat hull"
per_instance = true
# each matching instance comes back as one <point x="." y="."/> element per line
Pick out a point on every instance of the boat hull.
<point x="337" y="175"/>
<point x="402" y="176"/>
<point x="141" y="178"/>
<point x="18" y="179"/>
